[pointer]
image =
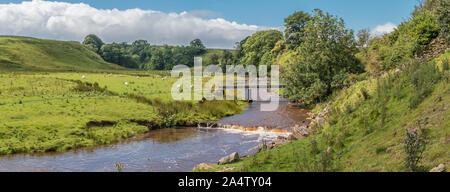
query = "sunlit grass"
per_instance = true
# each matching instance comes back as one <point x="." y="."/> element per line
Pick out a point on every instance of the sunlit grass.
<point x="42" y="112"/>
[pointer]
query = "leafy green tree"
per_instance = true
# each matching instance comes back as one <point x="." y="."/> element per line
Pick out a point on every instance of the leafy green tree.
<point x="116" y="53"/>
<point x="363" y="37"/>
<point x="93" y="42"/>
<point x="258" y="45"/>
<point x="141" y="49"/>
<point x="167" y="55"/>
<point x="443" y="19"/>
<point x="197" y="43"/>
<point x="214" y="60"/>
<point x="239" y="47"/>
<point x="226" y="59"/>
<point x="157" y="60"/>
<point x="324" y="59"/>
<point x="295" y="24"/>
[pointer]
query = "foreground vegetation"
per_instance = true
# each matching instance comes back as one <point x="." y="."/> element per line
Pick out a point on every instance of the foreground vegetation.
<point x="367" y="125"/>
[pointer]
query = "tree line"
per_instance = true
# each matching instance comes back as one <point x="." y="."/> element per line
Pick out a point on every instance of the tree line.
<point x="316" y="53"/>
<point x="141" y="55"/>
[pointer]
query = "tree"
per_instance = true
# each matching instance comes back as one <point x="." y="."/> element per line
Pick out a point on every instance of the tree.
<point x="214" y="59"/>
<point x="138" y="47"/>
<point x="168" y="60"/>
<point x="239" y="49"/>
<point x="226" y="59"/>
<point x="93" y="42"/>
<point x="157" y="60"/>
<point x="324" y="59"/>
<point x="363" y="37"/>
<point x="197" y="43"/>
<point x="258" y="45"/>
<point x="295" y="24"/>
<point x="116" y="53"/>
<point x="140" y="51"/>
<point x="443" y="19"/>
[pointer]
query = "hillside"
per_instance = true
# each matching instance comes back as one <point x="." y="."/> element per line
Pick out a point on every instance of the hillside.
<point x="30" y="54"/>
<point x="366" y="126"/>
<point x="393" y="117"/>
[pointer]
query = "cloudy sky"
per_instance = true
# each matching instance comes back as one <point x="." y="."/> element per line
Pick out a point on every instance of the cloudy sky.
<point x="218" y="23"/>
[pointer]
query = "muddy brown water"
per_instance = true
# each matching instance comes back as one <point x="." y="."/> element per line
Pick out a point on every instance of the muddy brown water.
<point x="168" y="150"/>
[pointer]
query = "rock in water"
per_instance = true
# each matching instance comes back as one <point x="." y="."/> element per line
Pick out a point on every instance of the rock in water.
<point x="229" y="159"/>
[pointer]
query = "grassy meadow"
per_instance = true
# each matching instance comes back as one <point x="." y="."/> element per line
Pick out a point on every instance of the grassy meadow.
<point x="43" y="112"/>
<point x="46" y="105"/>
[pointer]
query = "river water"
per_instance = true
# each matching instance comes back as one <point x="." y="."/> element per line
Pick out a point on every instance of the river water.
<point x="170" y="150"/>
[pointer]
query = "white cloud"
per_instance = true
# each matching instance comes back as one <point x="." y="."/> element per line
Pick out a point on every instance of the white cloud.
<point x="68" y="21"/>
<point x="383" y="29"/>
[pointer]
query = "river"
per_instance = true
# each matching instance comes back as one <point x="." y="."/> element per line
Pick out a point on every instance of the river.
<point x="169" y="150"/>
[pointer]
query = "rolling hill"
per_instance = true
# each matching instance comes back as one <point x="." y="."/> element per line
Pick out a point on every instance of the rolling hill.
<point x="31" y="54"/>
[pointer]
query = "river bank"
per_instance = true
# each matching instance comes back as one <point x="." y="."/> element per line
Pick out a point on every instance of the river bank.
<point x="169" y="149"/>
<point x="299" y="130"/>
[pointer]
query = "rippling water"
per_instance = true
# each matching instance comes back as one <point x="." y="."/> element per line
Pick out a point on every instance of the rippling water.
<point x="167" y="149"/>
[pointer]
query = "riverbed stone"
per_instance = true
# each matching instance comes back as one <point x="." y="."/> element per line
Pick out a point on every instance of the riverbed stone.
<point x="229" y="159"/>
<point x="438" y="169"/>
<point x="291" y="137"/>
<point x="204" y="167"/>
<point x="302" y="131"/>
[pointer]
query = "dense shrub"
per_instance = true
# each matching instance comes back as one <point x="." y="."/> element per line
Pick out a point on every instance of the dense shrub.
<point x="423" y="76"/>
<point x="409" y="39"/>
<point x="415" y="145"/>
<point x="443" y="19"/>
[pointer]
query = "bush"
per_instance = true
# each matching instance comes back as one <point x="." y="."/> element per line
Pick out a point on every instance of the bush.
<point x="443" y="19"/>
<point x="415" y="145"/>
<point x="423" y="77"/>
<point x="409" y="39"/>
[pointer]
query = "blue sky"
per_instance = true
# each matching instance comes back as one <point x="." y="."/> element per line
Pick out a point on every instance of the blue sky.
<point x="357" y="14"/>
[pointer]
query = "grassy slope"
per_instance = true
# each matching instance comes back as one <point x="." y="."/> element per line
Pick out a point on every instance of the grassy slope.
<point x="30" y="54"/>
<point x="355" y="134"/>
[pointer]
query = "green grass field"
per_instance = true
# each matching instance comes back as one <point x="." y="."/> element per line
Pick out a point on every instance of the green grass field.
<point x="46" y="105"/>
<point x="43" y="112"/>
